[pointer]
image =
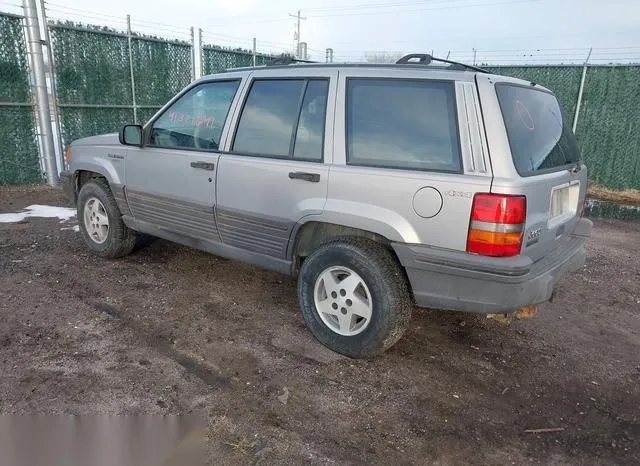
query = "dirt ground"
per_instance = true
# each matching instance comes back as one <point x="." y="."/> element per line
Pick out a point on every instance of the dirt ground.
<point x="170" y="330"/>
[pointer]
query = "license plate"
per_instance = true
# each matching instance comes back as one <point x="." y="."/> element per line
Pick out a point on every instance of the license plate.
<point x="564" y="203"/>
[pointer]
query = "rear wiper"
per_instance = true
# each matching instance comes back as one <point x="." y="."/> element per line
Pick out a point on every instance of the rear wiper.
<point x="578" y="167"/>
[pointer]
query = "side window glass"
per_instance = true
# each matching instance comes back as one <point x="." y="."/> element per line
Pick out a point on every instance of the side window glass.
<point x="196" y="120"/>
<point x="284" y="119"/>
<point x="268" y="118"/>
<point x="309" y="142"/>
<point x="408" y="124"/>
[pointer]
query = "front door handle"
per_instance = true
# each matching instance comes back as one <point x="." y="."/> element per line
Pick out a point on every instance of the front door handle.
<point x="311" y="177"/>
<point x="204" y="165"/>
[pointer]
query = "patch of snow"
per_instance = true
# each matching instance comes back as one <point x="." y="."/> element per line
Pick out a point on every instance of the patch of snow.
<point x="46" y="211"/>
<point x="75" y="228"/>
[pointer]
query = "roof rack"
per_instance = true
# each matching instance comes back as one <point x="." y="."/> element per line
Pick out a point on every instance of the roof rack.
<point x="286" y="61"/>
<point x="426" y="59"/>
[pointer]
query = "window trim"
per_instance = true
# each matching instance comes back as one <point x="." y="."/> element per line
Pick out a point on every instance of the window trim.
<point x="545" y="171"/>
<point x="456" y="118"/>
<point x="151" y="123"/>
<point x="294" y="133"/>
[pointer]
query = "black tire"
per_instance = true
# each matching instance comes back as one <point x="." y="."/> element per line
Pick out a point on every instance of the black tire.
<point x="120" y="239"/>
<point x="390" y="295"/>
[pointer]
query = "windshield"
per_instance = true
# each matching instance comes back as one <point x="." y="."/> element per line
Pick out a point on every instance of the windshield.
<point x="539" y="137"/>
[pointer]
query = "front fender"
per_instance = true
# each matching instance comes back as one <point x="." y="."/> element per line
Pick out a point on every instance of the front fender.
<point x="111" y="169"/>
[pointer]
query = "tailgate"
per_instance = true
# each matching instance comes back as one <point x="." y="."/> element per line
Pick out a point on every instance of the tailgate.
<point x="534" y="153"/>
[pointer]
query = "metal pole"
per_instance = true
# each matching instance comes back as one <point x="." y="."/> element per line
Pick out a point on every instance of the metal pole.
<point x="580" y="92"/>
<point x="133" y="80"/>
<point x="475" y="52"/>
<point x="448" y="54"/>
<point x="254" y="51"/>
<point x="54" y="97"/>
<point x="201" y="54"/>
<point x="326" y="56"/>
<point x="193" y="54"/>
<point x="303" y="50"/>
<point x="47" y="147"/>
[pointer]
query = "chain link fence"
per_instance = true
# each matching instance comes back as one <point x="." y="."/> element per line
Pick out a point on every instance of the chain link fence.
<point x="102" y="83"/>
<point x="608" y="126"/>
<point x="216" y="59"/>
<point x="93" y="80"/>
<point x="19" y="162"/>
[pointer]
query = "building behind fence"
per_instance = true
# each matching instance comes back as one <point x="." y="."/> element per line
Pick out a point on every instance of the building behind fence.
<point x="106" y="78"/>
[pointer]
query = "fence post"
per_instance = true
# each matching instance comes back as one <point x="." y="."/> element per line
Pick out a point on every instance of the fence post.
<point x="54" y="93"/>
<point x="193" y="55"/>
<point x="201" y="48"/>
<point x="133" y="80"/>
<point x="580" y="92"/>
<point x="47" y="147"/>
<point x="254" y="52"/>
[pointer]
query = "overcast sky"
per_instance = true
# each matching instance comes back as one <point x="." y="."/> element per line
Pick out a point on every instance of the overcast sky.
<point x="506" y="31"/>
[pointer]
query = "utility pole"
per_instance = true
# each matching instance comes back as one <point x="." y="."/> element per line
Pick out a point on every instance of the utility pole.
<point x="47" y="147"/>
<point x="298" y="17"/>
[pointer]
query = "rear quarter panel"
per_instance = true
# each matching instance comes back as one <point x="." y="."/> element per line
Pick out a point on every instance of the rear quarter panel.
<point x="384" y="200"/>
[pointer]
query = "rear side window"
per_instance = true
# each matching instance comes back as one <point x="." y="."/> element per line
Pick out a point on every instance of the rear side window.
<point x="407" y="124"/>
<point x="283" y="119"/>
<point x="539" y="138"/>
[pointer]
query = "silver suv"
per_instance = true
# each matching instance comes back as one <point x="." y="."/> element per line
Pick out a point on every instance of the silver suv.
<point x="380" y="187"/>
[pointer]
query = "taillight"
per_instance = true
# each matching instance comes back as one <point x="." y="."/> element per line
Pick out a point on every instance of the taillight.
<point x="497" y="225"/>
<point x="67" y="155"/>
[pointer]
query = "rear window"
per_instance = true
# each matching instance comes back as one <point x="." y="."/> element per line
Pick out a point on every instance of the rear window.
<point x="407" y="124"/>
<point x="539" y="137"/>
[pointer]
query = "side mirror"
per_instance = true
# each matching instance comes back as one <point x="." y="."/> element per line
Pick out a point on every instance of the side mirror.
<point x="131" y="135"/>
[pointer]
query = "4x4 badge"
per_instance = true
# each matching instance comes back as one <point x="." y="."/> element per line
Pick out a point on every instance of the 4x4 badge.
<point x="534" y="236"/>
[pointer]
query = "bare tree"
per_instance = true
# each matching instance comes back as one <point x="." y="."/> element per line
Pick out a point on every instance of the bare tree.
<point x="383" y="57"/>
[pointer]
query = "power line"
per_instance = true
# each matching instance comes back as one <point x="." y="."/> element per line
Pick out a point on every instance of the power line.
<point x="63" y="7"/>
<point x="427" y="9"/>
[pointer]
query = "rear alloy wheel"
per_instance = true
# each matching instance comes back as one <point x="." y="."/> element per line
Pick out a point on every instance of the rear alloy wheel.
<point x="343" y="300"/>
<point x="354" y="297"/>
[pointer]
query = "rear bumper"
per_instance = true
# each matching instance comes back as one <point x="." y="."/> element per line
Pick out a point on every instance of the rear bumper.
<point x="66" y="180"/>
<point x="458" y="281"/>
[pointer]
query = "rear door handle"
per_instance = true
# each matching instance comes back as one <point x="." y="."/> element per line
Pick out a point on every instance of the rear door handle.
<point x="311" y="177"/>
<point x="204" y="165"/>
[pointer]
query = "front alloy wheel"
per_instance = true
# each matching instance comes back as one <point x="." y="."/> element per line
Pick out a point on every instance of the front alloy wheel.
<point x="96" y="220"/>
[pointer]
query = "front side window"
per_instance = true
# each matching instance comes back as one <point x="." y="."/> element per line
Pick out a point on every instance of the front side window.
<point x="406" y="124"/>
<point x="283" y="119"/>
<point x="195" y="120"/>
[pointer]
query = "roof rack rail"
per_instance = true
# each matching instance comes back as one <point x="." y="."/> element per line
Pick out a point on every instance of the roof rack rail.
<point x="425" y="59"/>
<point x="286" y="61"/>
